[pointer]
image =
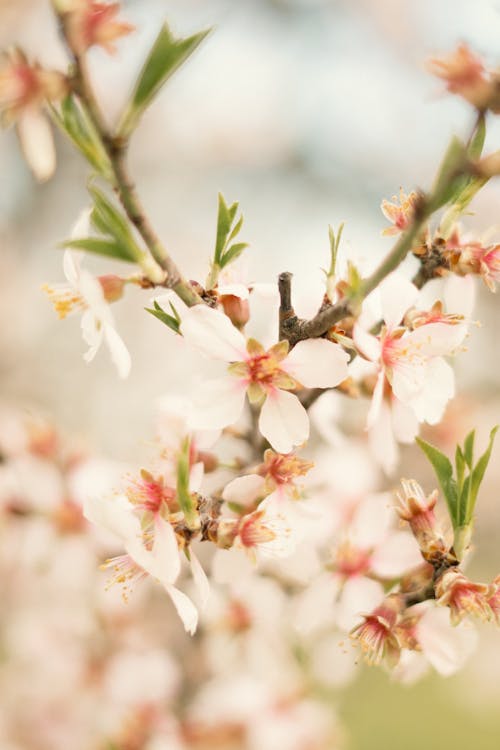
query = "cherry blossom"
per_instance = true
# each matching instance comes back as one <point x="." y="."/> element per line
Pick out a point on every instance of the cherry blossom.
<point x="84" y="293"/>
<point x="267" y="377"/>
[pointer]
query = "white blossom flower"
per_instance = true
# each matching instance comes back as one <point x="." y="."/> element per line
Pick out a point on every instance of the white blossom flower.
<point x="267" y="376"/>
<point x="84" y="292"/>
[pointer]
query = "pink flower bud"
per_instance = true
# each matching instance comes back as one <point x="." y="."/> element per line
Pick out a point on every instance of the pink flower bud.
<point x="26" y="86"/>
<point x="400" y="215"/>
<point x="112" y="286"/>
<point x="418" y="511"/>
<point x="236" y="309"/>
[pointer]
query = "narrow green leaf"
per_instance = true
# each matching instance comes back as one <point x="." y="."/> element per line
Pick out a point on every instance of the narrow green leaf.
<point x="450" y="178"/>
<point x="460" y="467"/>
<point x="477" y="474"/>
<point x="444" y="472"/>
<point x="223" y="228"/>
<point x="166" y="56"/>
<point x="477" y="142"/>
<point x="172" y="322"/>
<point x="469" y="448"/>
<point x="108" y="247"/>
<point x="77" y="126"/>
<point x="111" y="219"/>
<point x="232" y="253"/>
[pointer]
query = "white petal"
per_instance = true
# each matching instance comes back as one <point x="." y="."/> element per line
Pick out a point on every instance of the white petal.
<point x="165" y="552"/>
<point x="71" y="266"/>
<point x="367" y="345"/>
<point x="436" y="339"/>
<point x="404" y="422"/>
<point x="37" y="143"/>
<point x="372" y="520"/>
<point x="244" y="490"/>
<point x="359" y="595"/>
<point x="439" y="388"/>
<point x="396" y="555"/>
<point x="81" y="227"/>
<point x="115" y="514"/>
<point x="397" y="295"/>
<point x="459" y="294"/>
<point x="200" y="579"/>
<point x="217" y="403"/>
<point x="377" y="401"/>
<point x="317" y="363"/>
<point x="447" y="648"/>
<point x="119" y="352"/>
<point x="283" y="421"/>
<point x="233" y="290"/>
<point x="212" y="333"/>
<point x="93" y="334"/>
<point x="185" y="608"/>
<point x="382" y="442"/>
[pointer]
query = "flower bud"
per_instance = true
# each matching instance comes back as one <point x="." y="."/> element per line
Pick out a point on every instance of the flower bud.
<point x="236" y="309"/>
<point x="418" y="511"/>
<point x="112" y="286"/>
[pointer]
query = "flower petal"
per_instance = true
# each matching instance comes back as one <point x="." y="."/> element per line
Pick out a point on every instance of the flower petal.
<point x="115" y="514"/>
<point x="200" y="579"/>
<point x="212" y="333"/>
<point x="397" y="295"/>
<point x="185" y="608"/>
<point x="244" y="490"/>
<point x="283" y="421"/>
<point x="217" y="403"/>
<point x="37" y="143"/>
<point x="368" y="346"/>
<point x="396" y="555"/>
<point x="317" y="363"/>
<point x="165" y="552"/>
<point x="119" y="352"/>
<point x="439" y="388"/>
<point x="446" y="647"/>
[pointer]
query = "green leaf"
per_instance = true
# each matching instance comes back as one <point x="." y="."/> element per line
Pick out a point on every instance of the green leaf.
<point x="444" y="472"/>
<point x="108" y="247"/>
<point x="166" y="56"/>
<point x="74" y="121"/>
<point x="450" y="178"/>
<point x="232" y="253"/>
<point x="172" y="321"/>
<point x="469" y="448"/>
<point x="478" y="472"/>
<point x="477" y="142"/>
<point x="460" y="467"/>
<point x="224" y="221"/>
<point x="111" y="220"/>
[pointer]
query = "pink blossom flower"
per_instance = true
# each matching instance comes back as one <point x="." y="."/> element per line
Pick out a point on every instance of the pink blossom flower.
<point x="377" y="634"/>
<point x="267" y="376"/>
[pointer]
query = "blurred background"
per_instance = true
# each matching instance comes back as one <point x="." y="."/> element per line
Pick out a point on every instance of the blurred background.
<point x="308" y="112"/>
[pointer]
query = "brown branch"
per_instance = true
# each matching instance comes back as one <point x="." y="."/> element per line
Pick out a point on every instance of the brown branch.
<point x="116" y="151"/>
